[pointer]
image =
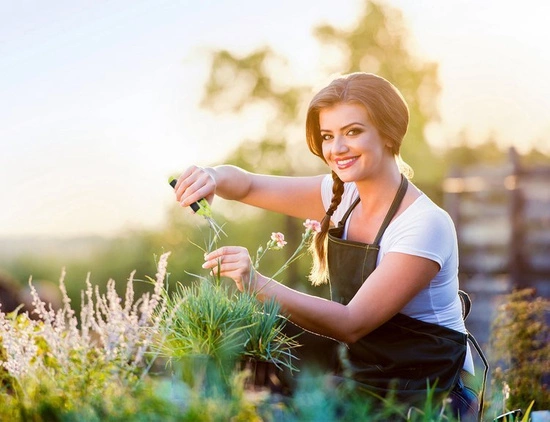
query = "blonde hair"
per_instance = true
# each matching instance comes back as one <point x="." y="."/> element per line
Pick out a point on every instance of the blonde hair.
<point x="387" y="111"/>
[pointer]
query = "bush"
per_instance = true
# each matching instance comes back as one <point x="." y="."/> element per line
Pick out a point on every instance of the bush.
<point x="520" y="351"/>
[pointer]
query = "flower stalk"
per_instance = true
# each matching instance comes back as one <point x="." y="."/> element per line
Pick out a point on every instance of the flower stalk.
<point x="277" y="242"/>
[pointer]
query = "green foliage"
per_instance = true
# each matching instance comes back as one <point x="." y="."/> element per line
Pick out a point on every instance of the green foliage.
<point x="105" y="400"/>
<point x="209" y="319"/>
<point x="56" y="367"/>
<point x="520" y="349"/>
<point x="60" y="369"/>
<point x="462" y="154"/>
<point x="318" y="398"/>
<point x="376" y="43"/>
<point x="249" y="80"/>
<point x="266" y="340"/>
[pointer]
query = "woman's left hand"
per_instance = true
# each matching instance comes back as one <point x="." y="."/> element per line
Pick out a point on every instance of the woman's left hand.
<point x="233" y="262"/>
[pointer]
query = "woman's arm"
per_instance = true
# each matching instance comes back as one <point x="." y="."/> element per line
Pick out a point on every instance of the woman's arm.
<point x="397" y="279"/>
<point x="295" y="196"/>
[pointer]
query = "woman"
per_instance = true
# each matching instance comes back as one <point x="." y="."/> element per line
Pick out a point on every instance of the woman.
<point x="391" y="258"/>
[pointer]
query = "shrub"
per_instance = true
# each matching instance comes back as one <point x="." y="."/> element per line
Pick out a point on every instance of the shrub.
<point x="520" y="350"/>
<point x="59" y="364"/>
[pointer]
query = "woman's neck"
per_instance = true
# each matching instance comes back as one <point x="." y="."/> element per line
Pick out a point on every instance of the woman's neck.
<point x="378" y="193"/>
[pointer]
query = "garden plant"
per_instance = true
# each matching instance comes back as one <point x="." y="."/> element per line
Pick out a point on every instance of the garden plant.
<point x="171" y="354"/>
<point x="520" y="350"/>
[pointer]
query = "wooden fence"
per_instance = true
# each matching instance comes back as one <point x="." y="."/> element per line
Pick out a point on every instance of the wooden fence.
<point x="502" y="216"/>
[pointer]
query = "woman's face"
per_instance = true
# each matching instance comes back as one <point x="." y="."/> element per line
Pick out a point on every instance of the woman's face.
<point x="352" y="147"/>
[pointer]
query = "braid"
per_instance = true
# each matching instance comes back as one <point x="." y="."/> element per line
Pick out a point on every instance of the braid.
<point x="319" y="270"/>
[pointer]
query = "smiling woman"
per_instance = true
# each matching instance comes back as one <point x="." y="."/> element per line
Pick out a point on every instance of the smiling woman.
<point x="391" y="260"/>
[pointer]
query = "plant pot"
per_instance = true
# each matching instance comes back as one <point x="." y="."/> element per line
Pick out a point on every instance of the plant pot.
<point x="262" y="375"/>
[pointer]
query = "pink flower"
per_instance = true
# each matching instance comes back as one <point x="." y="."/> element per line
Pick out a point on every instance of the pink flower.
<point x="312" y="225"/>
<point x="279" y="239"/>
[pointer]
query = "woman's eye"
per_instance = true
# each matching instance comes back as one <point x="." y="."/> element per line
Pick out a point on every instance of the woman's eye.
<point x="353" y="132"/>
<point x="326" y="137"/>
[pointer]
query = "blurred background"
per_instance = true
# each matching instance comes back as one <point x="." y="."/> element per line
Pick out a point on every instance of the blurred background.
<point x="102" y="101"/>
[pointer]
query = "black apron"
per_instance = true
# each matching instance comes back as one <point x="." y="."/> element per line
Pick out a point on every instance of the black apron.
<point x="404" y="354"/>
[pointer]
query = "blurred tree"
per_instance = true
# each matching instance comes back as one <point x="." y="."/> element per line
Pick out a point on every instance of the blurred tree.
<point x="378" y="43"/>
<point x="238" y="84"/>
<point x="463" y="154"/>
<point x="487" y="153"/>
<point x="252" y="82"/>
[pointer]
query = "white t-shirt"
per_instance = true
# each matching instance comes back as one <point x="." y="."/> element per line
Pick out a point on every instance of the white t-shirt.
<point x="425" y="230"/>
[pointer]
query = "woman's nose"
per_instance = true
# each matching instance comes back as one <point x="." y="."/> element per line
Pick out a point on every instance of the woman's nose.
<point x="339" y="145"/>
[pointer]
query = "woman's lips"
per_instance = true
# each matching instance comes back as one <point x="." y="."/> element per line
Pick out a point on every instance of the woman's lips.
<point x="344" y="163"/>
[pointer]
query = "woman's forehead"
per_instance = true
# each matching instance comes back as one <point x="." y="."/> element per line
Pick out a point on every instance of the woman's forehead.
<point x="343" y="114"/>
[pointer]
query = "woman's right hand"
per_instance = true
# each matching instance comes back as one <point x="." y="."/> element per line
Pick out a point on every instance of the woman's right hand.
<point x="194" y="184"/>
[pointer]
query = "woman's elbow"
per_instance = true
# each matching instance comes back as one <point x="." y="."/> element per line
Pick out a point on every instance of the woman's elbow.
<point x="352" y="336"/>
<point x="354" y="328"/>
<point x="351" y="339"/>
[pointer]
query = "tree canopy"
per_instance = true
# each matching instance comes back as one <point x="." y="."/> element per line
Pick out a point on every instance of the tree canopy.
<point x="376" y="43"/>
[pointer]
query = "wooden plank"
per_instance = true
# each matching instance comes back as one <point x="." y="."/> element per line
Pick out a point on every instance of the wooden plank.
<point x="502" y="217"/>
<point x="486" y="231"/>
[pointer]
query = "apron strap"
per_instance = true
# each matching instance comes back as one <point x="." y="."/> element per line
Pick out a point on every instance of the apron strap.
<point x="348" y="212"/>
<point x="393" y="208"/>
<point x="391" y="212"/>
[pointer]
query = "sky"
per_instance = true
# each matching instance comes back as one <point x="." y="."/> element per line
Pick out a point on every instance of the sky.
<point x="99" y="100"/>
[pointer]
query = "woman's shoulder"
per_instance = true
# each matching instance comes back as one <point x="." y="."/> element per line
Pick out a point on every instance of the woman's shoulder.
<point x="417" y="203"/>
<point x="423" y="229"/>
<point x="424" y="209"/>
<point x="424" y="221"/>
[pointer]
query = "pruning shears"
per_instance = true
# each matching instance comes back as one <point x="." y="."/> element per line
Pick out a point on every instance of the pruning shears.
<point x="202" y="208"/>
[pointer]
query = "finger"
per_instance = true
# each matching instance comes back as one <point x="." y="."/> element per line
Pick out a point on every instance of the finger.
<point x="229" y="257"/>
<point x="213" y="263"/>
<point x="226" y="251"/>
<point x="216" y="257"/>
<point x="185" y="183"/>
<point x="199" y="186"/>
<point x="226" y="263"/>
<point x="195" y="192"/>
<point x="217" y="253"/>
<point x="183" y="177"/>
<point x="231" y="270"/>
<point x="235" y="272"/>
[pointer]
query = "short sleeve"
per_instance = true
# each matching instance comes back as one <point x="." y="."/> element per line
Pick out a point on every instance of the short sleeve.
<point x="326" y="191"/>
<point x="429" y="233"/>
